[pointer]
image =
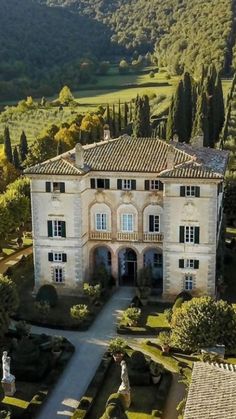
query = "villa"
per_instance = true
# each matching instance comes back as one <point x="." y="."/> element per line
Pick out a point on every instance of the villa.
<point x="127" y="203"/>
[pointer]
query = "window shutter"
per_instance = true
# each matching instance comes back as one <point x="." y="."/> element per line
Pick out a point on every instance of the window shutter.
<point x="92" y="183"/>
<point x="197" y="235"/>
<point x="63" y="229"/>
<point x="48" y="186"/>
<point x="146" y="185"/>
<point x="151" y="223"/>
<point x="182" y="190"/>
<point x="49" y="228"/>
<point x="64" y="257"/>
<point x="50" y="257"/>
<point x="181" y="263"/>
<point x="119" y="184"/>
<point x="181" y="234"/>
<point x="107" y="183"/>
<point x="196" y="264"/>
<point x="197" y="191"/>
<point x="133" y="185"/>
<point x="62" y="187"/>
<point x="160" y="186"/>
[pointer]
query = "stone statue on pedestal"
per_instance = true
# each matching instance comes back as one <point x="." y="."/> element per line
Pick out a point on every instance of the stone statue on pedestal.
<point x="124" y="388"/>
<point x="8" y="380"/>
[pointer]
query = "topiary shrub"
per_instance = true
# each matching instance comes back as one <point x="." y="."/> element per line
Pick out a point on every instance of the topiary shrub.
<point x="115" y="407"/>
<point x="139" y="373"/>
<point x="47" y="293"/>
<point x="131" y="316"/>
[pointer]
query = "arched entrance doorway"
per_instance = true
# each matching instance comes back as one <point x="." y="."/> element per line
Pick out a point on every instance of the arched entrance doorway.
<point x="127" y="267"/>
<point x="153" y="258"/>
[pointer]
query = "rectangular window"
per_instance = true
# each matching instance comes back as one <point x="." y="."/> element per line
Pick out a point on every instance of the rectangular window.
<point x="101" y="222"/>
<point x="100" y="183"/>
<point x="55" y="187"/>
<point x="127" y="222"/>
<point x="189" y="234"/>
<point x="58" y="228"/>
<point x="154" y="223"/>
<point x="190" y="191"/>
<point x="157" y="260"/>
<point x="189" y="263"/>
<point x="57" y="257"/>
<point x="126" y="184"/>
<point x="58" y="274"/>
<point x="188" y="282"/>
<point x="153" y="185"/>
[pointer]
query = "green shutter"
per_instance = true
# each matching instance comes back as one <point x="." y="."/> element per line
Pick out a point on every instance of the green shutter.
<point x="181" y="263"/>
<point x="160" y="186"/>
<point x="92" y="183"/>
<point x="197" y="191"/>
<point x="50" y="257"/>
<point x="64" y="257"/>
<point x="197" y="235"/>
<point x="63" y="229"/>
<point x="196" y="264"/>
<point x="181" y="234"/>
<point x="48" y="186"/>
<point x="146" y="185"/>
<point x="107" y="183"/>
<point x="151" y="223"/>
<point x="62" y="187"/>
<point x="119" y="184"/>
<point x="49" y="228"/>
<point x="133" y="185"/>
<point x="182" y="190"/>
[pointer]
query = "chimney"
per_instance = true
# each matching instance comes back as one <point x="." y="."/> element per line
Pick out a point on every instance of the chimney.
<point x="79" y="155"/>
<point x="170" y="158"/>
<point x="106" y="133"/>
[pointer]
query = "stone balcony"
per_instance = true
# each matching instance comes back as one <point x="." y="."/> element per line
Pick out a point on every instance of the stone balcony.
<point x="100" y="235"/>
<point x="129" y="237"/>
<point x="153" y="237"/>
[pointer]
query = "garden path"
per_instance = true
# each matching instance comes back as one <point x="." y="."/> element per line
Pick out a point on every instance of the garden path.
<point x="13" y="259"/>
<point x="89" y="349"/>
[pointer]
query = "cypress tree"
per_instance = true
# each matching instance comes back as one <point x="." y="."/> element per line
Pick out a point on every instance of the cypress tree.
<point x="130" y="112"/>
<point x="16" y="160"/>
<point x="59" y="147"/>
<point x="137" y="117"/>
<point x="187" y="85"/>
<point x="201" y="122"/>
<point x="146" y="128"/>
<point x="113" y="121"/>
<point x="170" y="121"/>
<point x="108" y="116"/>
<point x="219" y="109"/>
<point x="178" y="119"/>
<point x="126" y="110"/>
<point x="119" y="118"/>
<point x="23" y="148"/>
<point x="7" y="144"/>
<point x="141" y="123"/>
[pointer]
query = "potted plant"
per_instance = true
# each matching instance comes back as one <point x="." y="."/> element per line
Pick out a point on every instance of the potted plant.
<point x="156" y="370"/>
<point x="132" y="316"/>
<point x="117" y="348"/>
<point x="164" y="340"/>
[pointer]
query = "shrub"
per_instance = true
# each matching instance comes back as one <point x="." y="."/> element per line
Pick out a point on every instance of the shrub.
<point x="178" y="303"/>
<point x="151" y="74"/>
<point x="8" y="295"/>
<point x="168" y="314"/>
<point x="204" y="322"/>
<point x="23" y="328"/>
<point x="117" y="345"/>
<point x="43" y="308"/>
<point x="92" y="291"/>
<point x="101" y="276"/>
<point x="47" y="293"/>
<point x="185" y="295"/>
<point x="132" y="315"/>
<point x="164" y="339"/>
<point x="138" y="361"/>
<point x="115" y="407"/>
<point x="80" y="312"/>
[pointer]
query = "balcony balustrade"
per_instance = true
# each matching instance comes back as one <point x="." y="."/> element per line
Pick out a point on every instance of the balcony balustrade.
<point x="100" y="235"/>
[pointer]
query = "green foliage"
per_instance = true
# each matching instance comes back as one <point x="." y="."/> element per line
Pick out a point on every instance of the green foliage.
<point x="203" y="322"/>
<point x="43" y="308"/>
<point x="164" y="338"/>
<point x="15" y="158"/>
<point x="101" y="275"/>
<point x="80" y="312"/>
<point x="168" y="314"/>
<point x="7" y="145"/>
<point x="8" y="295"/>
<point x="47" y="293"/>
<point x="115" y="407"/>
<point x="138" y="361"/>
<point x="131" y="315"/>
<point x="65" y="95"/>
<point x="141" y="122"/>
<point x="92" y="291"/>
<point x="117" y="345"/>
<point x="23" y="147"/>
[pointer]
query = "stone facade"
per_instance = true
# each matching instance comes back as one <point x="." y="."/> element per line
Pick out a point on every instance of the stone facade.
<point x="126" y="226"/>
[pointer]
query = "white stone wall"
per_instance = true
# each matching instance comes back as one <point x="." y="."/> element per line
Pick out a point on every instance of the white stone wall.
<point x="79" y="204"/>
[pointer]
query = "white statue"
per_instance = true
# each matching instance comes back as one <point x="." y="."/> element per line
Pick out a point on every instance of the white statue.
<point x="124" y="388"/>
<point x="7" y="376"/>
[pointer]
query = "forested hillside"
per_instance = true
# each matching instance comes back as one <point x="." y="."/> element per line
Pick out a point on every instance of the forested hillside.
<point x="42" y="48"/>
<point x="47" y="43"/>
<point x="183" y="33"/>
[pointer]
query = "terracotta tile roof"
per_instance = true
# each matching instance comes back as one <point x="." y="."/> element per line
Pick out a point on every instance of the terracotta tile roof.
<point x="124" y="154"/>
<point x="191" y="170"/>
<point x="212" y="392"/>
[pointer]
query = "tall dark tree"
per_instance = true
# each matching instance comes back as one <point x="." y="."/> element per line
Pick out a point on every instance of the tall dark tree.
<point x="108" y="116"/>
<point x="23" y="148"/>
<point x="126" y="112"/>
<point x="15" y="158"/>
<point x="7" y="144"/>
<point x="188" y="104"/>
<point x="119" y="118"/>
<point x="176" y="123"/>
<point x="201" y="122"/>
<point x="218" y="109"/>
<point x="113" y="121"/>
<point x="59" y="148"/>
<point x="141" y="122"/>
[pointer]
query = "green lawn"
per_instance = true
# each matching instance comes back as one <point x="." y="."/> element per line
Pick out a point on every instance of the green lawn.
<point x="10" y="247"/>
<point x="152" y="318"/>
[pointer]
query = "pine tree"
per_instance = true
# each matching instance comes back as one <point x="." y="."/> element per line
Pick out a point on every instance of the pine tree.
<point x="16" y="160"/>
<point x="23" y="148"/>
<point x="7" y="144"/>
